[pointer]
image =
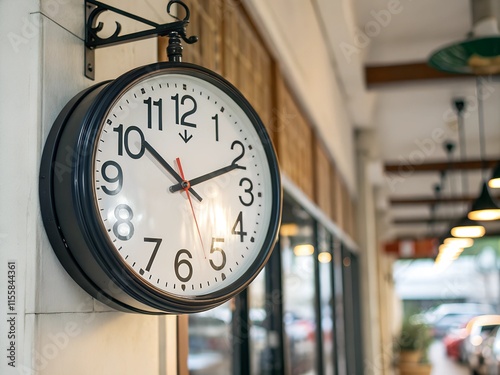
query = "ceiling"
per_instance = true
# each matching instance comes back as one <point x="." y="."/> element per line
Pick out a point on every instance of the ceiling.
<point x="411" y="110"/>
<point x="371" y="57"/>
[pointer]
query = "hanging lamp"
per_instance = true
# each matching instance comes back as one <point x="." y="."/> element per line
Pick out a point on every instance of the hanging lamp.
<point x="484" y="207"/>
<point x="465" y="227"/>
<point x="470" y="229"/>
<point x="474" y="56"/>
<point x="494" y="181"/>
<point x="459" y="242"/>
<point x="479" y="54"/>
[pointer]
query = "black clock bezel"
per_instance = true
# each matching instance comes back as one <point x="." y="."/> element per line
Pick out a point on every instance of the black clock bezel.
<point x="89" y="253"/>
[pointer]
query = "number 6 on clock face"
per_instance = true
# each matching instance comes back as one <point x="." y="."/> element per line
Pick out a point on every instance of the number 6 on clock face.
<point x="180" y="190"/>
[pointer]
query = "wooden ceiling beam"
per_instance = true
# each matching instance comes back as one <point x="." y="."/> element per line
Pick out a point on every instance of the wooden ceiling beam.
<point x="440" y="166"/>
<point x="376" y="75"/>
<point x="409" y="236"/>
<point x="432" y="200"/>
<point x="423" y="220"/>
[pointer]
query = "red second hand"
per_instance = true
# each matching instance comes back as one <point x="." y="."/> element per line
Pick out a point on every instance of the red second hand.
<point x="186" y="190"/>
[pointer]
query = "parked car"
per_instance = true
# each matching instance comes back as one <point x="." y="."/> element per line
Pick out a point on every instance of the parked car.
<point x="449" y="322"/>
<point x="478" y="330"/>
<point x="491" y="354"/>
<point x="449" y="315"/>
<point x="453" y="342"/>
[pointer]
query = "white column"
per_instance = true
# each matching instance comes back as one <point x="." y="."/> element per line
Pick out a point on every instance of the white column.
<point x="368" y="250"/>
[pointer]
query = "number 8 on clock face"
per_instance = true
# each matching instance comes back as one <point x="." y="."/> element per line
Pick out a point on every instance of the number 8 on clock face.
<point x="184" y="187"/>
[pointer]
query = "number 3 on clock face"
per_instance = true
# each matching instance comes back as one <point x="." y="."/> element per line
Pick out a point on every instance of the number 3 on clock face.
<point x="185" y="186"/>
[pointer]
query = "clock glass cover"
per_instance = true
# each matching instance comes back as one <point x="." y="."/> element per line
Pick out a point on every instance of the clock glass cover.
<point x="183" y="185"/>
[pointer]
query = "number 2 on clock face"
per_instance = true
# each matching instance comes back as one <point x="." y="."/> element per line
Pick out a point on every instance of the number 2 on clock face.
<point x="182" y="184"/>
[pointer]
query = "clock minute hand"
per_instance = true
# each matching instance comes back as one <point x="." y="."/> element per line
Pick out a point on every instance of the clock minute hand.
<point x="169" y="169"/>
<point x="205" y="177"/>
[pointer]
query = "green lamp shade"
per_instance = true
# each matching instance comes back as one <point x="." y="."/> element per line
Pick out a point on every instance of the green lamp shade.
<point x="484" y="208"/>
<point x="474" y="56"/>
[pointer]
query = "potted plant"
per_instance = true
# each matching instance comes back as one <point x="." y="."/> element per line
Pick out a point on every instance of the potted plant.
<point x="413" y="344"/>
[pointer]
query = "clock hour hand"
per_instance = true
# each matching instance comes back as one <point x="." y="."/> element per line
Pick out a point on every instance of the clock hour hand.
<point x="205" y="177"/>
<point x="169" y="169"/>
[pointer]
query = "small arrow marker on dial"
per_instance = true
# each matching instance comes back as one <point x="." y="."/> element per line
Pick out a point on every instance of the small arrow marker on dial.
<point x="185" y="137"/>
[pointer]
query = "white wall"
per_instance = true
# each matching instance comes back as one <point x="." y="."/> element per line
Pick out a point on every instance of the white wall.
<point x="295" y="36"/>
<point x="59" y="329"/>
<point x="18" y="162"/>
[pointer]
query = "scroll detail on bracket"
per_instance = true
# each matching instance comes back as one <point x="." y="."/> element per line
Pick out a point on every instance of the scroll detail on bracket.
<point x="95" y="8"/>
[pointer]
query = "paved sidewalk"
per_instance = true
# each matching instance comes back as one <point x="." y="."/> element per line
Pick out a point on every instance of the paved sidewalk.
<point x="441" y="364"/>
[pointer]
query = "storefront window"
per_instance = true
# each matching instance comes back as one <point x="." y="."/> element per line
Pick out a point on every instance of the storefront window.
<point x="265" y="318"/>
<point x="340" y="333"/>
<point x="210" y="344"/>
<point x="325" y="259"/>
<point x="260" y="346"/>
<point x="299" y="318"/>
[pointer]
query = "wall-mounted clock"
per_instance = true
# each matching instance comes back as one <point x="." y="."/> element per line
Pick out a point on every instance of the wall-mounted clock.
<point x="160" y="190"/>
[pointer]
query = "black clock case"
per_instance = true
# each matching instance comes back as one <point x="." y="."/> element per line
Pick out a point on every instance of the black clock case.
<point x="69" y="213"/>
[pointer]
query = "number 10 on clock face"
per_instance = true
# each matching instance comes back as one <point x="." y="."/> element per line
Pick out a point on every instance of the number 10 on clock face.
<point x="183" y="184"/>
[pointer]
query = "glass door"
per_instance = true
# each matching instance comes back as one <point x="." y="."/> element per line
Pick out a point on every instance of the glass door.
<point x="299" y="290"/>
<point x="210" y="341"/>
<point x="327" y="301"/>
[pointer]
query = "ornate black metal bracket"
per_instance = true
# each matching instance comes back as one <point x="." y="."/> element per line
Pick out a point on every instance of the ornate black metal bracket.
<point x="174" y="30"/>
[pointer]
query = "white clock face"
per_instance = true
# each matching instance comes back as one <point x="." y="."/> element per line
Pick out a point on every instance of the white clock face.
<point x="182" y="185"/>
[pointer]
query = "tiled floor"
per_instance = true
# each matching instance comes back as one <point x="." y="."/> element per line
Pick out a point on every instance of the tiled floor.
<point x="441" y="365"/>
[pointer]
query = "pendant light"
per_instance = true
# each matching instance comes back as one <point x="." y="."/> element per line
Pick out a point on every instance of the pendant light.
<point x="479" y="54"/>
<point x="494" y="181"/>
<point x="484" y="208"/>
<point x="449" y="147"/>
<point x="465" y="227"/>
<point x="458" y="242"/>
